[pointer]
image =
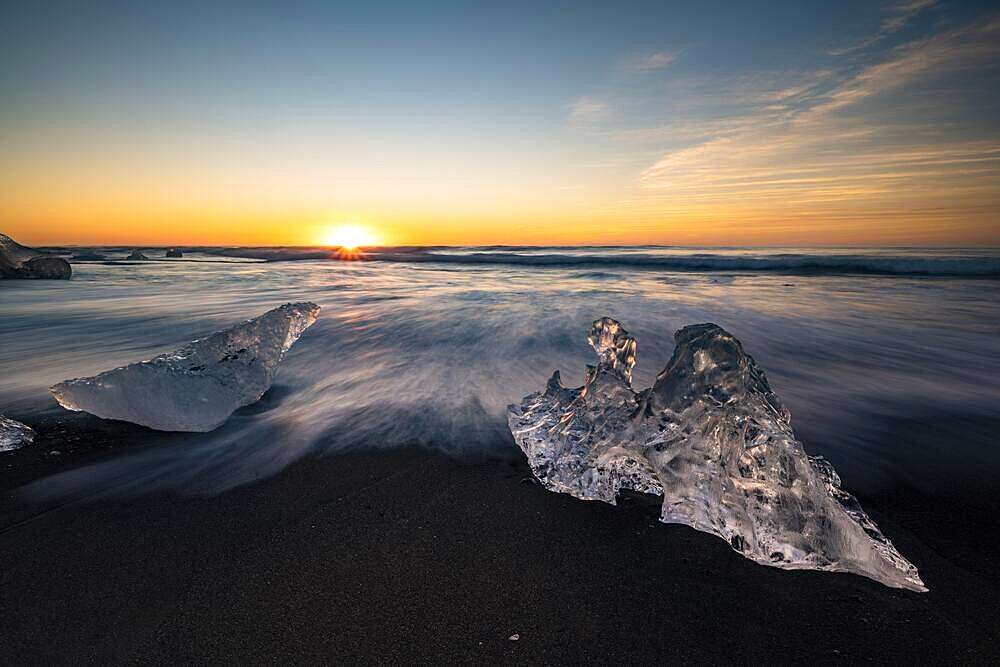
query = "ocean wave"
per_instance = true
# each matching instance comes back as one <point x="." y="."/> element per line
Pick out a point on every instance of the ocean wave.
<point x="912" y="264"/>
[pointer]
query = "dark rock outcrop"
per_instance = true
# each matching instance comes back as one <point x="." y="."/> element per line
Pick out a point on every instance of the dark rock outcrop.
<point x="137" y="256"/>
<point x="174" y="252"/>
<point x="18" y="261"/>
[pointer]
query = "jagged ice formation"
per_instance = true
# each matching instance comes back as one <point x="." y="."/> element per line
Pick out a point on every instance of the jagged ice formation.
<point x="14" y="435"/>
<point x="711" y="438"/>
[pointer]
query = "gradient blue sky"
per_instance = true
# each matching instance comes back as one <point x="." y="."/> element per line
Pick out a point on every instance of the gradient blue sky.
<point x="438" y="122"/>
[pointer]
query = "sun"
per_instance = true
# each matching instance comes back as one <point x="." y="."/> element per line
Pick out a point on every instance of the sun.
<point x="349" y="237"/>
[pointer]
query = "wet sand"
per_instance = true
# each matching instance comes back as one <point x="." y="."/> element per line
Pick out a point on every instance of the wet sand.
<point x="407" y="555"/>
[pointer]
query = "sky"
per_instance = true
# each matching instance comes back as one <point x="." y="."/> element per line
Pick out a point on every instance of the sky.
<point x="781" y="123"/>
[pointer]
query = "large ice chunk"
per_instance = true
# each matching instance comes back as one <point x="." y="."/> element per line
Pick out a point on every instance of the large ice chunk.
<point x="18" y="261"/>
<point x="14" y="435"/>
<point x="711" y="438"/>
<point x="197" y="387"/>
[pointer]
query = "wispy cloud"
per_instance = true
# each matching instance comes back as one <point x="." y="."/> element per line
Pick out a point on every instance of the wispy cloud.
<point x="652" y="62"/>
<point x="851" y="150"/>
<point x="587" y="110"/>
<point x="953" y="50"/>
<point x="899" y="15"/>
<point x="903" y="12"/>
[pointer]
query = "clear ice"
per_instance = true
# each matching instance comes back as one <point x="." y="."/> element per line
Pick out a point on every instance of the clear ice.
<point x="14" y="435"/>
<point x="715" y="442"/>
<point x="197" y="387"/>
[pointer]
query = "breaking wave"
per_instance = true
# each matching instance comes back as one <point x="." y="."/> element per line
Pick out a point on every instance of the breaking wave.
<point x="431" y="354"/>
<point x="883" y="262"/>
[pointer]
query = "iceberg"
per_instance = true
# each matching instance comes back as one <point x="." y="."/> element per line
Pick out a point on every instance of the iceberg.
<point x="18" y="261"/>
<point x="197" y="387"/>
<point x="14" y="435"/>
<point x="715" y="442"/>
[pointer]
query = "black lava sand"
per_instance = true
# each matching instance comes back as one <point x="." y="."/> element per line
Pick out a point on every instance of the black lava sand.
<point x="407" y="556"/>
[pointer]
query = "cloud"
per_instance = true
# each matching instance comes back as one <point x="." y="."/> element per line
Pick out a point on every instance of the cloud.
<point x="654" y="61"/>
<point x="876" y="143"/>
<point x="953" y="50"/>
<point x="587" y="110"/>
<point x="901" y="13"/>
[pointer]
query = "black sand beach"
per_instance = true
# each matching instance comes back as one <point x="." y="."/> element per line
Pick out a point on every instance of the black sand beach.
<point x="406" y="555"/>
<point x="292" y="294"/>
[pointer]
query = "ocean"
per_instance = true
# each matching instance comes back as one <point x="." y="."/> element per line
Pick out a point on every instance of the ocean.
<point x="888" y="359"/>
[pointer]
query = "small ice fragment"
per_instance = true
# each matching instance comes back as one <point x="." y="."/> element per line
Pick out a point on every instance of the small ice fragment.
<point x="514" y="638"/>
<point x="197" y="387"/>
<point x="715" y="442"/>
<point x="14" y="435"/>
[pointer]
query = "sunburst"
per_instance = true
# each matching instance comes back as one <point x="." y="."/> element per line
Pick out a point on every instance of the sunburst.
<point x="349" y="237"/>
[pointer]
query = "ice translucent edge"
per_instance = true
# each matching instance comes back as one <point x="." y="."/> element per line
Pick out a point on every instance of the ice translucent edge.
<point x="713" y="440"/>
<point x="14" y="434"/>
<point x="196" y="387"/>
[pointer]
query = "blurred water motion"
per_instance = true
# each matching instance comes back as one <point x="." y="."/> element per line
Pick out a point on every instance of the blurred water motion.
<point x="431" y="353"/>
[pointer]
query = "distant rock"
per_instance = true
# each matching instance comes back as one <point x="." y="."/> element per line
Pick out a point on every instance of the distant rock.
<point x="197" y="387"/>
<point x="174" y="252"/>
<point x="137" y="256"/>
<point x="18" y="261"/>
<point x="14" y="435"/>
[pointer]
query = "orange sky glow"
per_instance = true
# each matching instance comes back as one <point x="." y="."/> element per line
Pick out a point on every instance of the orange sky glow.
<point x="880" y="130"/>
